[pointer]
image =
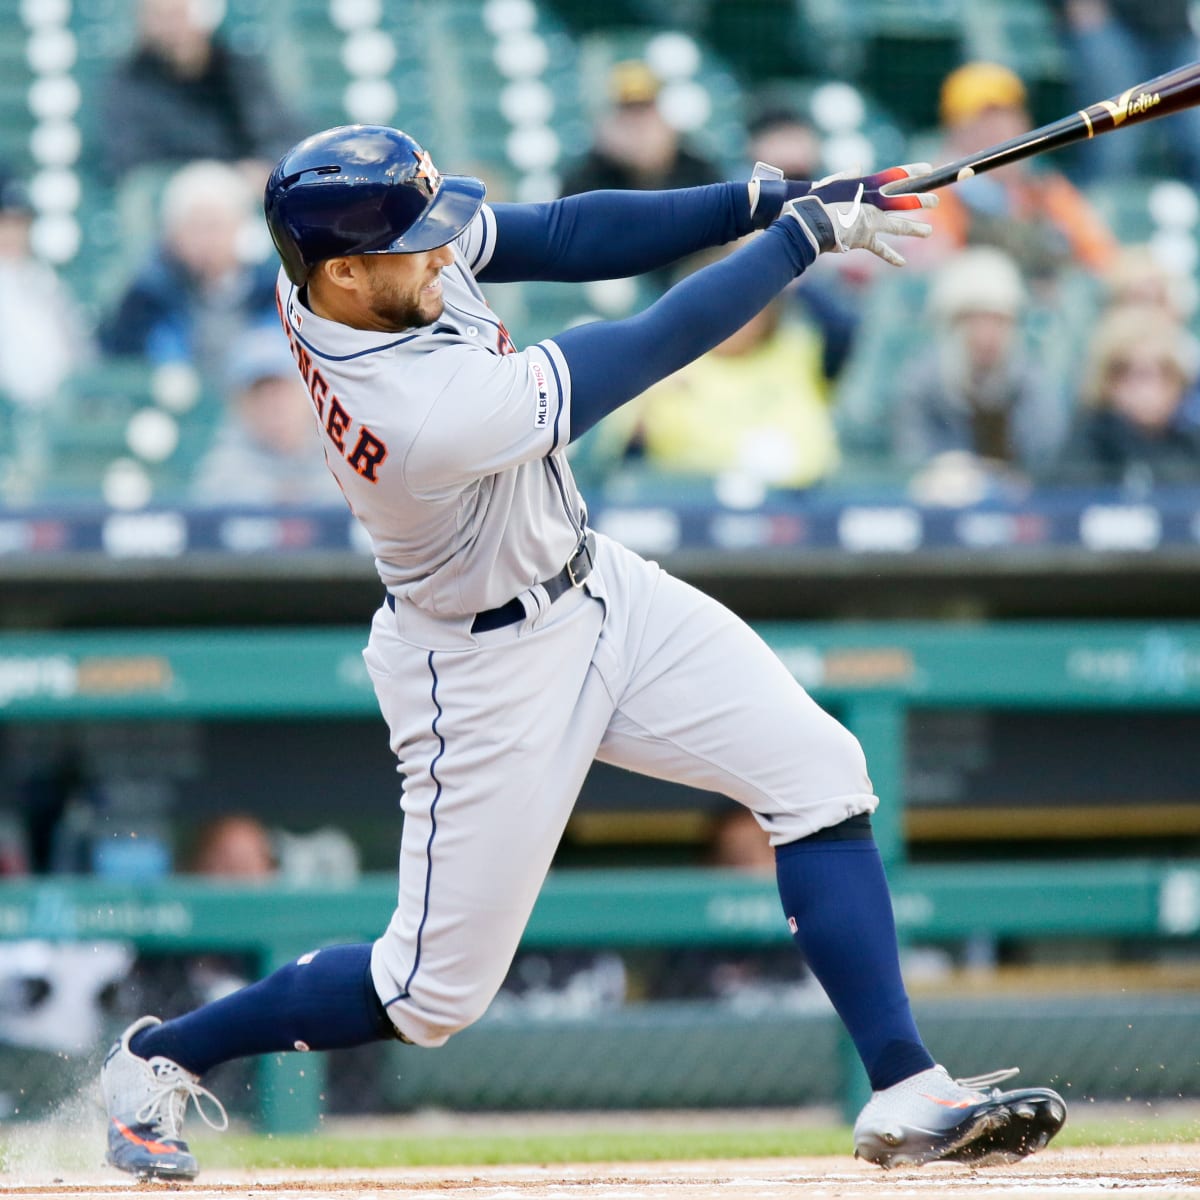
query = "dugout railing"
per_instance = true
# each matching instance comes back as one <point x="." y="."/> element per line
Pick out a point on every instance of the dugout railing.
<point x="873" y="675"/>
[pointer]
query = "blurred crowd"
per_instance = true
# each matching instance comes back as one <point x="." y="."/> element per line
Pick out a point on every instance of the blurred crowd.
<point x="1029" y="342"/>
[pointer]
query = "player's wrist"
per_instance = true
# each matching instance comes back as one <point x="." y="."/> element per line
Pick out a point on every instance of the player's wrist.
<point x="814" y="222"/>
<point x="769" y="191"/>
<point x="773" y="194"/>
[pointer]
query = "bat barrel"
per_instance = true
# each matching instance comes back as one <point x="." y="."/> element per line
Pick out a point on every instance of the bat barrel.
<point x="1158" y="97"/>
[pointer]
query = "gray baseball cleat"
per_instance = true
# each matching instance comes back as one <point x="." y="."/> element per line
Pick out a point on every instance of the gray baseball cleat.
<point x="930" y="1117"/>
<point x="146" y="1099"/>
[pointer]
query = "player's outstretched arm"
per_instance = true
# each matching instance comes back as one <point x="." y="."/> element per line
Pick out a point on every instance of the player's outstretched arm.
<point x="613" y="361"/>
<point x="611" y="234"/>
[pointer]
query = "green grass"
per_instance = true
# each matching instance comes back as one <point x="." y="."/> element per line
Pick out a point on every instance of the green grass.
<point x="479" y="1150"/>
<point x="1134" y="1131"/>
<point x="25" y="1146"/>
<point x="606" y="1145"/>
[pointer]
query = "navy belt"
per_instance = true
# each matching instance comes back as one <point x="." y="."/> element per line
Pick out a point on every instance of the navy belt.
<point x="578" y="568"/>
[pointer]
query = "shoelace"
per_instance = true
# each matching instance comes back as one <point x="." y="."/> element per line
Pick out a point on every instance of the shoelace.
<point x="976" y="1083"/>
<point x="173" y="1088"/>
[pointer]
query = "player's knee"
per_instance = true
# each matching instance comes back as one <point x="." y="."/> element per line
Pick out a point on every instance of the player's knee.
<point x="466" y="1009"/>
<point x="430" y="1015"/>
<point x="828" y="783"/>
<point x="843" y="756"/>
<point x="426" y="1028"/>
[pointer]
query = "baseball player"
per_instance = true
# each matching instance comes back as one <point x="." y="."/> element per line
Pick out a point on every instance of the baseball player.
<point x="516" y="645"/>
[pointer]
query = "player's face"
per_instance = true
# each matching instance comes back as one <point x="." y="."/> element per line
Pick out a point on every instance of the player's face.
<point x="404" y="291"/>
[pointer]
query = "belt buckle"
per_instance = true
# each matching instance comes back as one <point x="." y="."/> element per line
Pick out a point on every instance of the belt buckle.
<point x="583" y="550"/>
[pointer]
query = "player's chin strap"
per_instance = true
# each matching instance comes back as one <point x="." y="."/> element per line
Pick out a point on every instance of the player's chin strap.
<point x="978" y="1082"/>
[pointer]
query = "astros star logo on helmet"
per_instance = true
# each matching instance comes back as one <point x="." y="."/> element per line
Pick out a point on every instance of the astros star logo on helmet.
<point x="427" y="172"/>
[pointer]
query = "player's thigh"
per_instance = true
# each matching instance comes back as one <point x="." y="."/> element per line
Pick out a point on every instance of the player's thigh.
<point x="494" y="744"/>
<point x="707" y="703"/>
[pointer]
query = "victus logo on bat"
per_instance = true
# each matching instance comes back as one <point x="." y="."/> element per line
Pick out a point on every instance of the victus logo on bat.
<point x="1127" y="105"/>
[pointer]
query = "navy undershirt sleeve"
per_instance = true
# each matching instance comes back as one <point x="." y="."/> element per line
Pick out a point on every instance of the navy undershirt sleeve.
<point x="610" y="234"/>
<point x="613" y="361"/>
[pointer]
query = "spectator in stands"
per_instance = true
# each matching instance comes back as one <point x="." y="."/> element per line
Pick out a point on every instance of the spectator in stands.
<point x="634" y="145"/>
<point x="739" y="842"/>
<point x="236" y="846"/>
<point x="1139" y="277"/>
<point x="233" y="849"/>
<point x="264" y="451"/>
<point x="43" y="337"/>
<point x="14" y="846"/>
<point x="750" y="979"/>
<point x="60" y="803"/>
<point x="1112" y="44"/>
<point x="755" y="408"/>
<point x="1129" y="429"/>
<point x="183" y="94"/>
<point x="197" y="290"/>
<point x="1027" y="209"/>
<point x="785" y="139"/>
<point x="977" y="403"/>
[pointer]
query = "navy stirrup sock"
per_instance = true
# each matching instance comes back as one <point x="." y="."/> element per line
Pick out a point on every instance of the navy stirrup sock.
<point x="833" y="887"/>
<point x="322" y="1001"/>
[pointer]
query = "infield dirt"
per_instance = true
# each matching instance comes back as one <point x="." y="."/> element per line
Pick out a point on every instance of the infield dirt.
<point x="1143" y="1171"/>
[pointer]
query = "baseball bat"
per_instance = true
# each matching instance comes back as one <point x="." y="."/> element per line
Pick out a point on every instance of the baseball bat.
<point x="1157" y="97"/>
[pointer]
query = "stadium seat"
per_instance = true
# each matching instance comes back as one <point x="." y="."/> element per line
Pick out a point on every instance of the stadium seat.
<point x="690" y="69"/>
<point x="855" y="129"/>
<point x="90" y="432"/>
<point x="1125" y="205"/>
<point x="907" y="51"/>
<point x="15" y="78"/>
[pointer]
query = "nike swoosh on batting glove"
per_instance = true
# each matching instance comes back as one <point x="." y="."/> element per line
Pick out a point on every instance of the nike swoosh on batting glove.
<point x="853" y="224"/>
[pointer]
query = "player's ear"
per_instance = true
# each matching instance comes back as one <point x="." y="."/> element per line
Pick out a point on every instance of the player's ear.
<point x="344" y="272"/>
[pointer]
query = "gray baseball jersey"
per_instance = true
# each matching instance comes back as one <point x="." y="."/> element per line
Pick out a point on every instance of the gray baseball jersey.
<point x="447" y="442"/>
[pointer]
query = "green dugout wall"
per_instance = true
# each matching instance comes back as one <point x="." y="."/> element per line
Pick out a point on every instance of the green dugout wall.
<point x="874" y="675"/>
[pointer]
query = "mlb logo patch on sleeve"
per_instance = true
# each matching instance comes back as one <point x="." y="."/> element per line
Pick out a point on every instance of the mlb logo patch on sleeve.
<point x="541" y="413"/>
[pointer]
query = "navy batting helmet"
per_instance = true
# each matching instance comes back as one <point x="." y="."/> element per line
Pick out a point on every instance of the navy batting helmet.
<point x="362" y="189"/>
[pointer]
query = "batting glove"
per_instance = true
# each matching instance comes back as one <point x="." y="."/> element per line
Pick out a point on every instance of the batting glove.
<point x="770" y="191"/>
<point x="877" y="188"/>
<point x="840" y="214"/>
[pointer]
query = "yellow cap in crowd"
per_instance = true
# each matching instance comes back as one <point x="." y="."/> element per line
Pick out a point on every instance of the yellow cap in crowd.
<point x="977" y="86"/>
<point x="632" y="82"/>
